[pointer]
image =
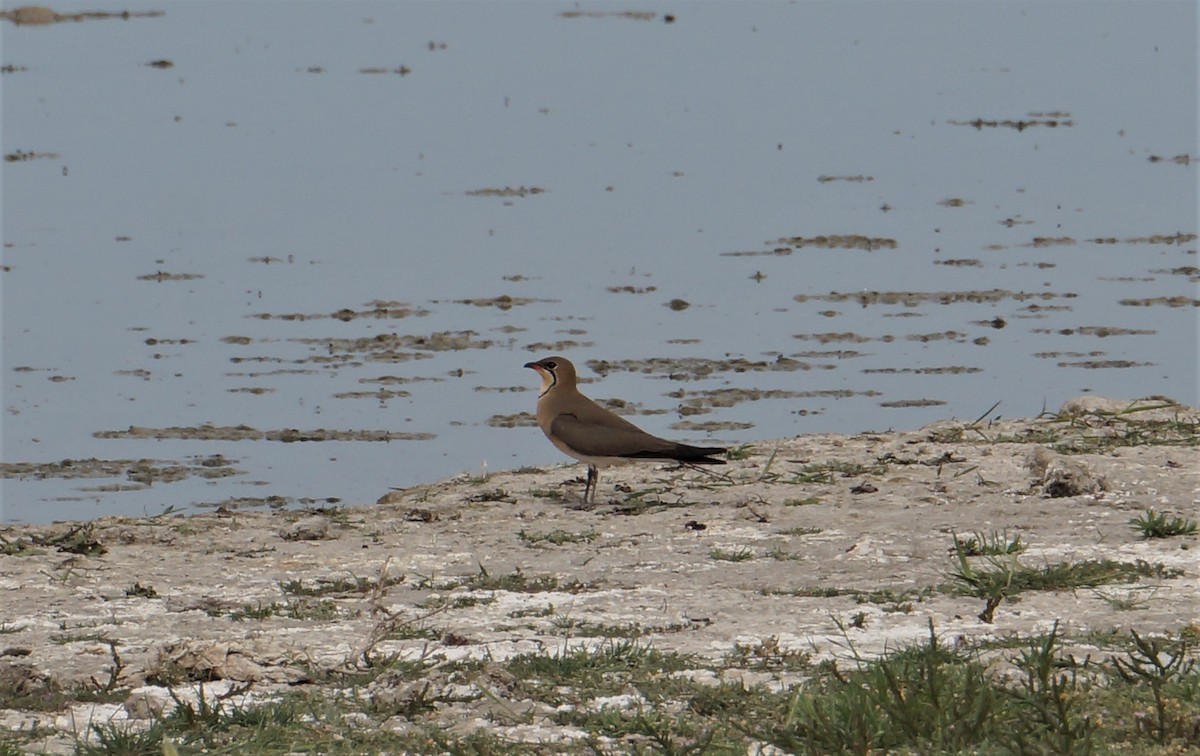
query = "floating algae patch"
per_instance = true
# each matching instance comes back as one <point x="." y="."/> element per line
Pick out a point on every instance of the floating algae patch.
<point x="376" y="309"/>
<point x="839" y="241"/>
<point x="710" y="426"/>
<point x="707" y="400"/>
<point x="208" y="432"/>
<point x="1177" y="301"/>
<point x="394" y="347"/>
<point x="518" y="420"/>
<point x="556" y="346"/>
<point x="625" y="14"/>
<point x="1191" y="271"/>
<point x="1045" y="120"/>
<point x="402" y="70"/>
<point x="777" y="252"/>
<point x="858" y="179"/>
<point x="161" y="275"/>
<point x="139" y="470"/>
<point x="947" y="370"/>
<point x="394" y="380"/>
<point x="632" y="289"/>
<point x="1183" y="159"/>
<point x="695" y="368"/>
<point x="1100" y="331"/>
<point x="833" y="337"/>
<point x="925" y="338"/>
<point x="828" y="354"/>
<point x="1105" y="364"/>
<point x="1050" y="241"/>
<point x="1177" y="238"/>
<point x="381" y="394"/>
<point x="268" y="373"/>
<point x="908" y="403"/>
<point x="916" y="298"/>
<point x="20" y="156"/>
<point x="1068" y="355"/>
<point x="34" y="15"/>
<point x="502" y="302"/>
<point x="507" y="191"/>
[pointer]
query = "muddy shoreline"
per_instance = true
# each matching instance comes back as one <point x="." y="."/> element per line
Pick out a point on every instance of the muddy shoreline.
<point x="809" y="543"/>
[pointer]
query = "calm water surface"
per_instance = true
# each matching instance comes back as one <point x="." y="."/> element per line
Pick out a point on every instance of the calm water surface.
<point x="500" y="181"/>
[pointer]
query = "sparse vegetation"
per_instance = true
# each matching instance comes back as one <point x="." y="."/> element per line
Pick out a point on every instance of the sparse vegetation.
<point x="1027" y="695"/>
<point x="989" y="544"/>
<point x="557" y="537"/>
<point x="1153" y="524"/>
<point x="725" y="555"/>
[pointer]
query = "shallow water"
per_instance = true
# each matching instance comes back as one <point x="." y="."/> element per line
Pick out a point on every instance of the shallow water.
<point x="361" y="219"/>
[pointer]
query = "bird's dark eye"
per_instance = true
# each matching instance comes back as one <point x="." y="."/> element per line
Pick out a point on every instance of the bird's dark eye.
<point x="550" y="365"/>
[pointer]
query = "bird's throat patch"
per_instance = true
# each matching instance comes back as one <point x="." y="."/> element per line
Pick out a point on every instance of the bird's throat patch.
<point x="548" y="381"/>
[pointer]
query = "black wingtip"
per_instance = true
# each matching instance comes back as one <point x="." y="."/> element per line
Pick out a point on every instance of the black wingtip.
<point x="693" y="455"/>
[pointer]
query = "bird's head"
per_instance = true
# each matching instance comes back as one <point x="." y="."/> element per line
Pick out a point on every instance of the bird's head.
<point x="555" y="371"/>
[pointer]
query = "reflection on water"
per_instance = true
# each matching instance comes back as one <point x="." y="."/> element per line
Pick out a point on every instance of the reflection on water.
<point x="297" y="256"/>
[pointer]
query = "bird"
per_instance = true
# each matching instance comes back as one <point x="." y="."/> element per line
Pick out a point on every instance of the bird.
<point x="582" y="429"/>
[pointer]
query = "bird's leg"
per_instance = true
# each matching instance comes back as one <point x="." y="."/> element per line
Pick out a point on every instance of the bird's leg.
<point x="593" y="479"/>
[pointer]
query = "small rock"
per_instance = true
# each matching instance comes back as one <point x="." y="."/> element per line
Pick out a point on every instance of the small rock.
<point x="147" y="703"/>
<point x="1085" y="405"/>
<point x="1060" y="476"/>
<point x="315" y="528"/>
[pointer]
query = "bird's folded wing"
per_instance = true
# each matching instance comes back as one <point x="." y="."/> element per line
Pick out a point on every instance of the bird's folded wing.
<point x="604" y="441"/>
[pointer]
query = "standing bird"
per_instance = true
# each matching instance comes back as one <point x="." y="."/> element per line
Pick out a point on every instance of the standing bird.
<point x="586" y="431"/>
